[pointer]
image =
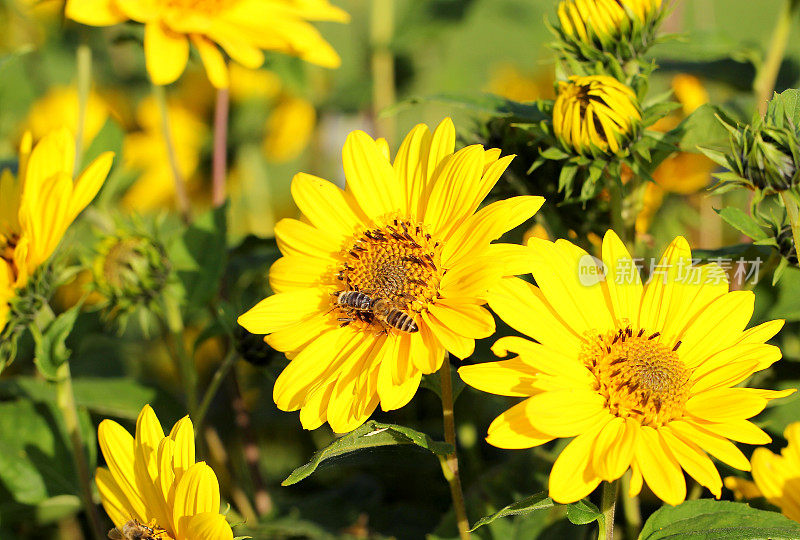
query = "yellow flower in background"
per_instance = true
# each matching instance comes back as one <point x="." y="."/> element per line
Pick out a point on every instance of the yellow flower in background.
<point x="249" y="84"/>
<point x="153" y="479"/>
<point x="380" y="280"/>
<point x="289" y="128"/>
<point x="777" y="477"/>
<point x="509" y="81"/>
<point x="685" y="172"/>
<point x="38" y="205"/>
<point x="595" y="115"/>
<point x="613" y="25"/>
<point x="642" y="376"/>
<point x="59" y="108"/>
<point x="243" y="29"/>
<point x="146" y="151"/>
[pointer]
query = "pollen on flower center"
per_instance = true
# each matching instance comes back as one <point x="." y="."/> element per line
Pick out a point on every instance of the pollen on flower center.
<point x="640" y="376"/>
<point x="397" y="262"/>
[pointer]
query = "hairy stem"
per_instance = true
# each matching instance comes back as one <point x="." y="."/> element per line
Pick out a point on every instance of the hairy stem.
<point x="608" y="504"/>
<point x="764" y="83"/>
<point x="181" y="197"/>
<point x="450" y="462"/>
<point x="220" y="147"/>
<point x="65" y="399"/>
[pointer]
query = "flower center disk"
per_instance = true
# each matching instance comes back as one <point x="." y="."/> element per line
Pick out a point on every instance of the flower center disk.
<point x="641" y="377"/>
<point x="398" y="263"/>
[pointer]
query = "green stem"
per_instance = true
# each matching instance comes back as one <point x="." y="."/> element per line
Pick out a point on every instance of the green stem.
<point x="84" y="84"/>
<point x="174" y="331"/>
<point x="608" y="504"/>
<point x="633" y="514"/>
<point x="213" y="387"/>
<point x="764" y="83"/>
<point x="65" y="399"/>
<point x="450" y="462"/>
<point x="383" y="81"/>
<point x="794" y="218"/>
<point x="181" y="197"/>
<point x="220" y="147"/>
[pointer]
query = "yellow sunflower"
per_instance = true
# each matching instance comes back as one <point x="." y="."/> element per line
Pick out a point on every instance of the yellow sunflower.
<point x="642" y="376"/>
<point x="380" y="279"/>
<point x="153" y="480"/>
<point x="41" y="201"/>
<point x="777" y="477"/>
<point x="242" y="28"/>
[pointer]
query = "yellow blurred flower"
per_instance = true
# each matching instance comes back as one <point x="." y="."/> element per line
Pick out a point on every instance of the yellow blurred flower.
<point x="777" y="477"/>
<point x="289" y="128"/>
<point x="640" y="376"/>
<point x="152" y="480"/>
<point x="249" y="84"/>
<point x="618" y="26"/>
<point x="405" y="244"/>
<point x="595" y="115"/>
<point x="509" y="81"/>
<point x="146" y="151"/>
<point x="242" y="28"/>
<point x="685" y="172"/>
<point x="39" y="203"/>
<point x="59" y="108"/>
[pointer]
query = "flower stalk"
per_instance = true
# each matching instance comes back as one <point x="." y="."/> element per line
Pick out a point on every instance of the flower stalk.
<point x="84" y="66"/>
<point x="220" y="147"/>
<point x="450" y="462"/>
<point x="181" y="197"/>
<point x="608" y="504"/>
<point x="764" y="83"/>
<point x="213" y="388"/>
<point x="383" y="80"/>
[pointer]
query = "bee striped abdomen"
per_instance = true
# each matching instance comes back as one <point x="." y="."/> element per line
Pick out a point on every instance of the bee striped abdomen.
<point x="354" y="299"/>
<point x="401" y="321"/>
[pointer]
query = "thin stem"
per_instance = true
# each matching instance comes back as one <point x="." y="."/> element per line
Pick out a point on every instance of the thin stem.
<point x="174" y="332"/>
<point x="213" y="387"/>
<point x="382" y="19"/>
<point x="181" y="196"/>
<point x="794" y="219"/>
<point x="65" y="399"/>
<point x="84" y="61"/>
<point x="450" y="462"/>
<point x="633" y="514"/>
<point x="764" y="83"/>
<point x="608" y="504"/>
<point x="220" y="147"/>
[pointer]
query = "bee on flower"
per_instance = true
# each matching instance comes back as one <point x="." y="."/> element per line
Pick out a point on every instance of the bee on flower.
<point x="596" y="116"/>
<point x="380" y="280"/>
<point x="640" y="377"/>
<point x="152" y="482"/>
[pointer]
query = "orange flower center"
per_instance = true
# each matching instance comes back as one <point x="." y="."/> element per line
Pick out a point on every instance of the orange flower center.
<point x="394" y="268"/>
<point x="640" y="376"/>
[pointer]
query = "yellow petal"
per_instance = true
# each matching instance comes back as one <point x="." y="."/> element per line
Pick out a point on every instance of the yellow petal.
<point x="89" y="183"/>
<point x="197" y="492"/>
<point x="184" y="455"/>
<point x="370" y="177"/>
<point x="283" y="310"/>
<point x="117" y="447"/>
<point x="505" y="378"/>
<point x="692" y="458"/>
<point x="566" y="413"/>
<point x="466" y="319"/>
<point x="614" y="448"/>
<point x="572" y="477"/>
<point x="325" y="205"/>
<point x="94" y="12"/>
<point x="165" y="52"/>
<point x="513" y="429"/>
<point x="115" y="501"/>
<point x="623" y="280"/>
<point x="410" y="168"/>
<point x="213" y="61"/>
<point x="460" y="346"/>
<point x="720" y="448"/>
<point x="659" y="467"/>
<point x="208" y="526"/>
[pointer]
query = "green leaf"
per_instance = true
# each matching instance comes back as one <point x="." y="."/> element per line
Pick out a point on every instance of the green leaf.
<point x="743" y="223"/>
<point x="370" y="435"/>
<point x="489" y="104"/>
<point x="701" y="128"/>
<point x="785" y="104"/>
<point x="51" y="349"/>
<point x="583" y="512"/>
<point x="199" y="257"/>
<point x="117" y="397"/>
<point x="707" y="518"/>
<point x="534" y="503"/>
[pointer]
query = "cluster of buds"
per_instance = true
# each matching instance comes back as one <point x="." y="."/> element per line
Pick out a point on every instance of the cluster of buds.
<point x="596" y="116"/>
<point x="591" y="30"/>
<point x="130" y="270"/>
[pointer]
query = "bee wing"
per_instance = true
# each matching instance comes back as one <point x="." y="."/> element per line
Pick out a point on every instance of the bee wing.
<point x="115" y="534"/>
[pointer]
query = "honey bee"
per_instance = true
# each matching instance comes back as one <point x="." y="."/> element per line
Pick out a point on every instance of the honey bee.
<point x="135" y="530"/>
<point x="388" y="314"/>
<point x="357" y="300"/>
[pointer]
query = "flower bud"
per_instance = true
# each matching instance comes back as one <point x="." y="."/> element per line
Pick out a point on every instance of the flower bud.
<point x="596" y="116"/>
<point x="623" y="28"/>
<point x="765" y="156"/>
